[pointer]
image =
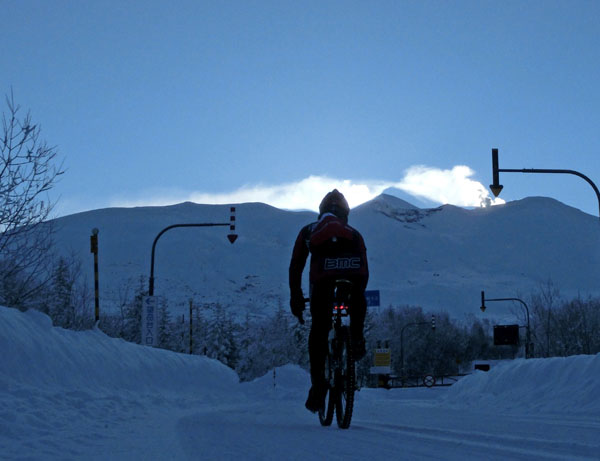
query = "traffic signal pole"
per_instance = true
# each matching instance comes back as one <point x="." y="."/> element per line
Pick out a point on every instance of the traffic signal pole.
<point x="483" y="307"/>
<point x="402" y="339"/>
<point x="496" y="187"/>
<point x="231" y="236"/>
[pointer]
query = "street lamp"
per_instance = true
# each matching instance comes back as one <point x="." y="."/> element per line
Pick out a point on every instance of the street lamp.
<point x="496" y="187"/>
<point x="528" y="340"/>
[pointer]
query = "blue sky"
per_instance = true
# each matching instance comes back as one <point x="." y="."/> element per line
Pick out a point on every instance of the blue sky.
<point x="155" y="102"/>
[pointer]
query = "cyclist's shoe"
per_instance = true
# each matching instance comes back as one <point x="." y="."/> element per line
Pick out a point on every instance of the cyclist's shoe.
<point x="315" y="400"/>
<point x="358" y="348"/>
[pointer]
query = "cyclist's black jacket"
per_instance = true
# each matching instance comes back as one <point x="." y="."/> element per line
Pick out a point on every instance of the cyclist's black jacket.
<point x="337" y="251"/>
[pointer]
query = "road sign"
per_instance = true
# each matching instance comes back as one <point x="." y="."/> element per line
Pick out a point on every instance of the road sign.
<point x="372" y="297"/>
<point x="382" y="361"/>
<point x="149" y="321"/>
<point x="429" y="380"/>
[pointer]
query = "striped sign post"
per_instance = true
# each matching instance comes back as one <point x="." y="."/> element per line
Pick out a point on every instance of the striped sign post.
<point x="232" y="236"/>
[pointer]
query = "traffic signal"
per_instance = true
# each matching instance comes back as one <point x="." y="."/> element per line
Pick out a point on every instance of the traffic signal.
<point x="506" y="335"/>
<point x="232" y="236"/>
<point x="496" y="187"/>
<point x="433" y="322"/>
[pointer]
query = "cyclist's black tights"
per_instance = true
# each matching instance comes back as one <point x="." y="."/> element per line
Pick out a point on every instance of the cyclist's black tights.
<point x="321" y="304"/>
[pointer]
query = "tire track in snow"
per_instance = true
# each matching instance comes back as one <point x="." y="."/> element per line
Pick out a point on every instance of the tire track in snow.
<point x="502" y="445"/>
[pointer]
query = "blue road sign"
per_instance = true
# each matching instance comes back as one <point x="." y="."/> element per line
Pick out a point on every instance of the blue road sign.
<point x="372" y="298"/>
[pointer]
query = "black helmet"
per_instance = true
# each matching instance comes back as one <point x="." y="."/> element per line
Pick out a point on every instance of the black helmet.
<point x="335" y="203"/>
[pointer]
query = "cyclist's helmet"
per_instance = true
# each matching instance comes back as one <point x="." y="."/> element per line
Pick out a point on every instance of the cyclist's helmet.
<point x="335" y="203"/>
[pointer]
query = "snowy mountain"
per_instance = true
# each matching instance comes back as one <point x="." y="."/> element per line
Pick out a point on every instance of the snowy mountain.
<point x="67" y="395"/>
<point x="438" y="258"/>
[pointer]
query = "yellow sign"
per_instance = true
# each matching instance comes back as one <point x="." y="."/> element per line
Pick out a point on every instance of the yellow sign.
<point x="383" y="358"/>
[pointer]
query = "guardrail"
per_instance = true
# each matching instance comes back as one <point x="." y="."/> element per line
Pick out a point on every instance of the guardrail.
<point x="427" y="380"/>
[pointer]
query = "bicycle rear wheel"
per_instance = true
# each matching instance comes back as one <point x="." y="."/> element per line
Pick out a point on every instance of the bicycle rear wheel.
<point x="345" y="382"/>
<point x="326" y="413"/>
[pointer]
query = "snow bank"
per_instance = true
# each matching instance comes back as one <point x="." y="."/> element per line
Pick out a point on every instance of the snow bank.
<point x="288" y="381"/>
<point x="37" y="355"/>
<point x="559" y="384"/>
<point x="68" y="395"/>
<point x="40" y="355"/>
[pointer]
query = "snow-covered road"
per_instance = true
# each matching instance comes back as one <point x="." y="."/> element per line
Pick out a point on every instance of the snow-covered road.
<point x="392" y="425"/>
<point x="68" y="395"/>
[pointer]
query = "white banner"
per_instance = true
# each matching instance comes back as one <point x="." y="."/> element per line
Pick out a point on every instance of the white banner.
<point x="149" y="321"/>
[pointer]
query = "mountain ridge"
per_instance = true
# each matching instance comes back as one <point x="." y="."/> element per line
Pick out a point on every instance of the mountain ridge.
<point x="439" y="258"/>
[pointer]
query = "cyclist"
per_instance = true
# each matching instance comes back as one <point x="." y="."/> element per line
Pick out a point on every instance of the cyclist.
<point x="337" y="252"/>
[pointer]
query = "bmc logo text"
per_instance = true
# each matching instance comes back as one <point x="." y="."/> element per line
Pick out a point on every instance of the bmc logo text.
<point x="342" y="263"/>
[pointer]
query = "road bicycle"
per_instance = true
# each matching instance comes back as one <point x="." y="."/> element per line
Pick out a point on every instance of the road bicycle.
<point x="340" y="370"/>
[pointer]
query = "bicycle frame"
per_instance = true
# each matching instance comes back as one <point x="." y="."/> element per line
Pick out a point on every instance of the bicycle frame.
<point x="340" y="368"/>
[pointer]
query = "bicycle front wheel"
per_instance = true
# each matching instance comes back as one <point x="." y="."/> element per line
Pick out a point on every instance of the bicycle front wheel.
<point x="345" y="382"/>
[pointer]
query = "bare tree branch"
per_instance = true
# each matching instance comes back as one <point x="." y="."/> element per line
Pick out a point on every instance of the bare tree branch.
<point x="28" y="170"/>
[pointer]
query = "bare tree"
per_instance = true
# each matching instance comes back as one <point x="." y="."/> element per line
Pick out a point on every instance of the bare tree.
<point x="28" y="170"/>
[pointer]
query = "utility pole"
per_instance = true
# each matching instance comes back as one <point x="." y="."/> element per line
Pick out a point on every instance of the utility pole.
<point x="94" y="250"/>
<point x="191" y="330"/>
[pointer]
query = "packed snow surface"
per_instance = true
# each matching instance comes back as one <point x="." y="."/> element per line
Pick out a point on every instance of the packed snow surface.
<point x="82" y="395"/>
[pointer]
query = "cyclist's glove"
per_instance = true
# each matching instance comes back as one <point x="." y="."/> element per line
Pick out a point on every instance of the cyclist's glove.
<point x="297" y="305"/>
